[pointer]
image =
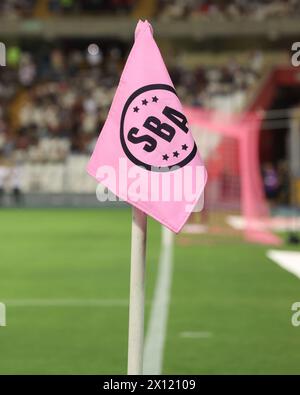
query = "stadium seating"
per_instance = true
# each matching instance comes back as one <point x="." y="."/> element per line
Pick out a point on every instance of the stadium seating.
<point x="51" y="123"/>
<point x="165" y="9"/>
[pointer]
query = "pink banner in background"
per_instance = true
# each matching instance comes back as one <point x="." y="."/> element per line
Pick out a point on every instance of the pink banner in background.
<point x="245" y="129"/>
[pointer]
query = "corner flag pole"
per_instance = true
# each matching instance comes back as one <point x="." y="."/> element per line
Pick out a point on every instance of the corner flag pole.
<point x="137" y="292"/>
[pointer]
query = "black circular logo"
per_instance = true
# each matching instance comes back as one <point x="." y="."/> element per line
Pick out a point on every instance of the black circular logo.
<point x="154" y="132"/>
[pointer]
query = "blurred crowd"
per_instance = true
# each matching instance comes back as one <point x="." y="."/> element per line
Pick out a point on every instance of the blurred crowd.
<point x="232" y="9"/>
<point x="202" y="85"/>
<point x="276" y="180"/>
<point x="64" y="97"/>
<point x="88" y="6"/>
<point x="30" y="8"/>
<point x="23" y="8"/>
<point x="168" y="9"/>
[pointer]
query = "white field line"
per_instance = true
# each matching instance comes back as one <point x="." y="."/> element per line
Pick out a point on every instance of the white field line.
<point x="66" y="302"/>
<point x="155" y="339"/>
<point x="278" y="223"/>
<point x="196" y="335"/>
<point x="288" y="260"/>
<point x="2" y="314"/>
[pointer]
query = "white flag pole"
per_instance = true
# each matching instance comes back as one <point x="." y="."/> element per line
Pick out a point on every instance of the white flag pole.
<point x="137" y="292"/>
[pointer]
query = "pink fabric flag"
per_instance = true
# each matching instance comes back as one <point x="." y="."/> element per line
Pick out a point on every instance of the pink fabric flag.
<point x="145" y="153"/>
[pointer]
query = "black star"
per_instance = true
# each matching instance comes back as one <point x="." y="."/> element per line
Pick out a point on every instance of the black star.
<point x="176" y="154"/>
<point x="184" y="147"/>
<point x="145" y="102"/>
<point x="165" y="157"/>
<point x="135" y="109"/>
<point x="155" y="99"/>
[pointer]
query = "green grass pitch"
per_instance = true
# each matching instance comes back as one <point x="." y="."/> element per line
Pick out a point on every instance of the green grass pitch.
<point x="228" y="289"/>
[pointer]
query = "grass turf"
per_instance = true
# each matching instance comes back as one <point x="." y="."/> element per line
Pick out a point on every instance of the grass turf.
<point x="228" y="289"/>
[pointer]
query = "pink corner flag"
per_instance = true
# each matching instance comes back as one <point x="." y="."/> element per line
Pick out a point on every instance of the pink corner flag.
<point x="145" y="153"/>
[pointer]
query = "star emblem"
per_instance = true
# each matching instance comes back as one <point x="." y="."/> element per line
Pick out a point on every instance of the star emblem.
<point x="165" y="157"/>
<point x="145" y="102"/>
<point x="176" y="154"/>
<point x="135" y="109"/>
<point x="155" y="99"/>
<point x="184" y="147"/>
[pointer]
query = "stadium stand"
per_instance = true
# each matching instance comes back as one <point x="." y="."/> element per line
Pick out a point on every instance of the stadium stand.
<point x="166" y="9"/>
<point x="55" y="94"/>
<point x="234" y="9"/>
<point x="29" y="8"/>
<point x="48" y="119"/>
